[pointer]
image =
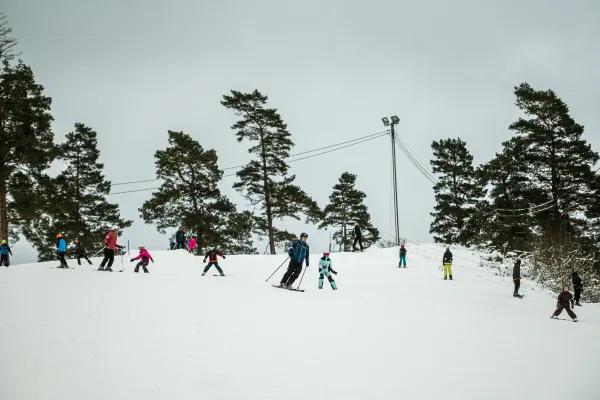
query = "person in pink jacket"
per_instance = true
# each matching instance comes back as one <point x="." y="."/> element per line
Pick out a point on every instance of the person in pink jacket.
<point x="192" y="245"/>
<point x="145" y="257"/>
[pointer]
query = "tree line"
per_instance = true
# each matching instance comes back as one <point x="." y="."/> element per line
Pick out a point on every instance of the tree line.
<point x="38" y="205"/>
<point x="539" y="197"/>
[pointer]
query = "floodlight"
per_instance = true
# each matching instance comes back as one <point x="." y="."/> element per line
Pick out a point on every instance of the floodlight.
<point x="395" y="119"/>
<point x="386" y="121"/>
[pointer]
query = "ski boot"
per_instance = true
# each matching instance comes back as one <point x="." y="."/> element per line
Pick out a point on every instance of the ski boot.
<point x="554" y="316"/>
<point x="204" y="273"/>
<point x="101" y="268"/>
<point x="222" y="274"/>
<point x="578" y="304"/>
<point x="109" y="269"/>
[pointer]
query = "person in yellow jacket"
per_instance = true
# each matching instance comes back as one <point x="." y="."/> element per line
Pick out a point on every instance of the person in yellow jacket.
<point x="447" y="261"/>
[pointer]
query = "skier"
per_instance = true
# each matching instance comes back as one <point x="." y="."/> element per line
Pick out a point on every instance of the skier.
<point x="180" y="238"/>
<point x="357" y="238"/>
<point x="4" y="252"/>
<point x="326" y="270"/>
<point x="578" y="285"/>
<point x="298" y="253"/>
<point x="61" y="249"/>
<point x="110" y="244"/>
<point x="192" y="245"/>
<point x="172" y="243"/>
<point x="402" y="256"/>
<point x="213" y="259"/>
<point x="447" y="261"/>
<point x="564" y="303"/>
<point x="144" y="256"/>
<point x="80" y="251"/>
<point x="517" y="278"/>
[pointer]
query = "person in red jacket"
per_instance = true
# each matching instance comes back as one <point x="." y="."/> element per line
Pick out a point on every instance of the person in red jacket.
<point x="564" y="303"/>
<point x="110" y="244"/>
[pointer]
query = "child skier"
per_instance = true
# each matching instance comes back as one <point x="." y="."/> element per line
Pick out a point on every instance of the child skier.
<point x="447" y="261"/>
<point x="192" y="245"/>
<point x="212" y="256"/>
<point x="564" y="303"/>
<point x="61" y="249"/>
<point x="326" y="270"/>
<point x="144" y="256"/>
<point x="80" y="251"/>
<point x="4" y="252"/>
<point x="402" y="256"/>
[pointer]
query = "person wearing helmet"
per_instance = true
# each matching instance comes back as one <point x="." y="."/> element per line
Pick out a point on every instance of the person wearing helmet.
<point x="447" y="261"/>
<point x="298" y="252"/>
<point x="4" y="254"/>
<point x="402" y="256"/>
<point x="213" y="259"/>
<point x="145" y="257"/>
<point x="110" y="244"/>
<point x="61" y="249"/>
<point x="81" y="253"/>
<point x="325" y="270"/>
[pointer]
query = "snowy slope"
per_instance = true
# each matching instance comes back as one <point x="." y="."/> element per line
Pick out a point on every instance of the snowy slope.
<point x="386" y="334"/>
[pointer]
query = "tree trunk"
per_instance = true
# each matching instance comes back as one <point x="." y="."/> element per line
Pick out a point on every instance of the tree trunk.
<point x="267" y="195"/>
<point x="3" y="210"/>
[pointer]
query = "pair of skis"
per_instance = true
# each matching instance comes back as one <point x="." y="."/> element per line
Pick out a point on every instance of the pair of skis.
<point x="288" y="288"/>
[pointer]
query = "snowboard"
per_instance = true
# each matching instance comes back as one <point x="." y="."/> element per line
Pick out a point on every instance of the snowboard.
<point x="291" y="289"/>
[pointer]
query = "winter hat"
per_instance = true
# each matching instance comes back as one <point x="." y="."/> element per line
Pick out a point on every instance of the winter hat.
<point x="303" y="235"/>
<point x="141" y="246"/>
<point x="402" y="246"/>
<point x="114" y="228"/>
<point x="447" y="248"/>
<point x="59" y="236"/>
<point x="211" y="247"/>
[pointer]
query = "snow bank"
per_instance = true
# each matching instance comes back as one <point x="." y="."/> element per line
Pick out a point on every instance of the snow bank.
<point x="388" y="333"/>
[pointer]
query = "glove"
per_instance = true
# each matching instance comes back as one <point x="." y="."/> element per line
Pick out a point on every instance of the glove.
<point x="224" y="257"/>
<point x="334" y="272"/>
<point x="106" y="246"/>
<point x="132" y="260"/>
<point x="204" y="260"/>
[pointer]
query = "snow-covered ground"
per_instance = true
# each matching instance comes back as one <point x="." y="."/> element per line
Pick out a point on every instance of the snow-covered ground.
<point x="385" y="334"/>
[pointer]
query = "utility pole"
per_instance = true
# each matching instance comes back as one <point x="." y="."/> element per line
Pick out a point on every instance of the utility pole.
<point x="386" y="122"/>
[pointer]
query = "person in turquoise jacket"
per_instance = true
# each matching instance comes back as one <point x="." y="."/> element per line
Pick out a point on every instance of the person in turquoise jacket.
<point x="61" y="249"/>
<point x="325" y="270"/>
<point x="402" y="256"/>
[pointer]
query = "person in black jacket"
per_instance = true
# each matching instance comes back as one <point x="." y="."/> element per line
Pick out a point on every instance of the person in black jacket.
<point x="180" y="238"/>
<point x="357" y="238"/>
<point x="517" y="277"/>
<point x="447" y="261"/>
<point x="213" y="259"/>
<point x="578" y="285"/>
<point x="80" y="252"/>
<point x="564" y="303"/>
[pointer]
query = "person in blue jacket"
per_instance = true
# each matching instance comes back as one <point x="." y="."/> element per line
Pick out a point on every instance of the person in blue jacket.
<point x="61" y="249"/>
<point x="4" y="252"/>
<point x="298" y="253"/>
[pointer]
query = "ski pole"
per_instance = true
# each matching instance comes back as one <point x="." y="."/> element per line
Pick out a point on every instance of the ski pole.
<point x="101" y="250"/>
<point x="280" y="265"/>
<point x="302" y="276"/>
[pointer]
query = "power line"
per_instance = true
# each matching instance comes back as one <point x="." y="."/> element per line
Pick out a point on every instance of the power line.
<point x="421" y="169"/>
<point x="291" y="161"/>
<point x="358" y="140"/>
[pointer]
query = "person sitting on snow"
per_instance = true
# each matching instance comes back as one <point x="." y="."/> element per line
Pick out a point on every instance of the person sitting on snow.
<point x="325" y="270"/>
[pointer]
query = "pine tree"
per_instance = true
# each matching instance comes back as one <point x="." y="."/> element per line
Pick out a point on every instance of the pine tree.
<point x="456" y="193"/>
<point x="558" y="159"/>
<point x="265" y="180"/>
<point x="189" y="197"/>
<point x="506" y="175"/>
<point x="78" y="207"/>
<point x="345" y="210"/>
<point x="27" y="146"/>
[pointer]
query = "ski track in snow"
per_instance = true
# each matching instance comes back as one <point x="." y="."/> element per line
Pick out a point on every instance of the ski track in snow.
<point x="387" y="333"/>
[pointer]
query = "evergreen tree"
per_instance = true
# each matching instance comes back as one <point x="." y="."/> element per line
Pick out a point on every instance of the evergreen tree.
<point x="345" y="210"/>
<point x="189" y="197"/>
<point x="506" y="176"/>
<point x="457" y="193"/>
<point x="77" y="205"/>
<point x="27" y="146"/>
<point x="265" y="180"/>
<point x="558" y="159"/>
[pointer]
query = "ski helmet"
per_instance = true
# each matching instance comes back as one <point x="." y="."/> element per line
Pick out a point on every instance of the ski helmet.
<point x="303" y="235"/>
<point x="59" y="236"/>
<point x="211" y="247"/>
<point x="326" y="253"/>
<point x="141" y="246"/>
<point x="3" y="241"/>
<point x="114" y="228"/>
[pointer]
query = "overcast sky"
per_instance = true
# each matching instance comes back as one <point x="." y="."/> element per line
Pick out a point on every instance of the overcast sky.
<point x="134" y="69"/>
